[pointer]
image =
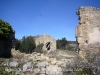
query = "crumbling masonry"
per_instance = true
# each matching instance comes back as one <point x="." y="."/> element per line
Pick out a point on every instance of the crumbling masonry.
<point x="88" y="30"/>
<point x="48" y="41"/>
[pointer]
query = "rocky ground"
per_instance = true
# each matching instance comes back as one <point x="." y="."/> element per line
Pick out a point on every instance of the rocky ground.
<point x="50" y="63"/>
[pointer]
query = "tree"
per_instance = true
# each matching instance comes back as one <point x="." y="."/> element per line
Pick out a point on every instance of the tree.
<point x="6" y="39"/>
<point x="61" y="44"/>
<point x="27" y="44"/>
<point x="64" y="43"/>
<point x="17" y="44"/>
<point x="58" y="44"/>
<point x="5" y="30"/>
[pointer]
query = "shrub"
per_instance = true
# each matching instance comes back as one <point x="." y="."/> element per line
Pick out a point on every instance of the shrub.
<point x="89" y="66"/>
<point x="39" y="48"/>
<point x="26" y="44"/>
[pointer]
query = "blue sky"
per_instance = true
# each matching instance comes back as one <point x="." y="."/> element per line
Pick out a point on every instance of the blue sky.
<point x="36" y="17"/>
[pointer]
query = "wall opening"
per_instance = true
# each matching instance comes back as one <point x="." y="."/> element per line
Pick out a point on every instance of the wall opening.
<point x="48" y="46"/>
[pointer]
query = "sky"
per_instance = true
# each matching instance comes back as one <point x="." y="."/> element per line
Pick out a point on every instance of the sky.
<point x="37" y="17"/>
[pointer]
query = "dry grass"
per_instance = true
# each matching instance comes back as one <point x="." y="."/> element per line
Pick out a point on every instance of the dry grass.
<point x="68" y="52"/>
<point x="17" y="54"/>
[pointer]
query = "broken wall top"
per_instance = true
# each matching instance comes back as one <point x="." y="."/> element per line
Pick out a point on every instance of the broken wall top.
<point x="88" y="28"/>
<point x="89" y="23"/>
<point x="45" y="39"/>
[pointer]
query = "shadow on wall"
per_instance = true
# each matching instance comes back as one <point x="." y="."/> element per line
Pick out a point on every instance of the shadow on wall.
<point x="6" y="46"/>
<point x="5" y="49"/>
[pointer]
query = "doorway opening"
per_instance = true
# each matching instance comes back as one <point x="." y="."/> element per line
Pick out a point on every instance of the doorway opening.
<point x="48" y="45"/>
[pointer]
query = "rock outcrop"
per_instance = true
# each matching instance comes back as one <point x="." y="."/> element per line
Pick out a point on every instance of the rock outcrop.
<point x="88" y="30"/>
<point x="37" y="63"/>
<point x="48" y="41"/>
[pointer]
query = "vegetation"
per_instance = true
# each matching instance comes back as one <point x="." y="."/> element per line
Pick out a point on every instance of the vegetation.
<point x="5" y="30"/>
<point x="17" y="44"/>
<point x="3" y="70"/>
<point x="26" y="44"/>
<point x="89" y="66"/>
<point x="72" y="42"/>
<point x="39" y="48"/>
<point x="63" y="44"/>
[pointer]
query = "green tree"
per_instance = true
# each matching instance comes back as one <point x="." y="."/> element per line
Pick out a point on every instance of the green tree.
<point x="17" y="44"/>
<point x="6" y="37"/>
<point x="5" y="30"/>
<point x="61" y="44"/>
<point x="22" y="44"/>
<point x="64" y="43"/>
<point x="27" y="44"/>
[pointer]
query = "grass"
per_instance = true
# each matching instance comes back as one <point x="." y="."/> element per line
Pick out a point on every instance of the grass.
<point x="68" y="52"/>
<point x="62" y="57"/>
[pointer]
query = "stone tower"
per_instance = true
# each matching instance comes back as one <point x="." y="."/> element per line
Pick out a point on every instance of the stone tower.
<point x="88" y="30"/>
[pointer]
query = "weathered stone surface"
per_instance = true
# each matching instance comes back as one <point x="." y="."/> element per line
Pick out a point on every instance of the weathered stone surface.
<point x="53" y="70"/>
<point x="43" y="70"/>
<point x="36" y="70"/>
<point x="42" y="64"/>
<point x="27" y="67"/>
<point x="13" y="64"/>
<point x="48" y="41"/>
<point x="88" y="29"/>
<point x="35" y="63"/>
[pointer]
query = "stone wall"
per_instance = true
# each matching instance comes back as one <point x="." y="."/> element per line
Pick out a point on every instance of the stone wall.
<point x="6" y="45"/>
<point x="47" y="40"/>
<point x="88" y="29"/>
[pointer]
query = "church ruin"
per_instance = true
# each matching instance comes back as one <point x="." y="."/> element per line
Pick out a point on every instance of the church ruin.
<point x="48" y="41"/>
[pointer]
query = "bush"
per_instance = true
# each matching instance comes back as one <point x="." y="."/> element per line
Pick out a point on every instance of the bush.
<point x="26" y="44"/>
<point x="39" y="48"/>
<point x="88" y="66"/>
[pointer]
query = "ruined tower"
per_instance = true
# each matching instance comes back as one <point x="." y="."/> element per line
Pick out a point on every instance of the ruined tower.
<point x="88" y="30"/>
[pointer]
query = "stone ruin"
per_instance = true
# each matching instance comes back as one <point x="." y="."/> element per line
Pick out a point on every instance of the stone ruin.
<point x="6" y="46"/>
<point x="48" y="41"/>
<point x="88" y="30"/>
